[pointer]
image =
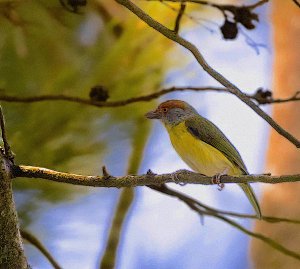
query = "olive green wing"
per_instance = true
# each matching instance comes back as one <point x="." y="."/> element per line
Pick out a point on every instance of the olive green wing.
<point x="209" y="133"/>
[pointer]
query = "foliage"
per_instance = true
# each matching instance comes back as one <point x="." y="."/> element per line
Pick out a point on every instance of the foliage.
<point x="47" y="50"/>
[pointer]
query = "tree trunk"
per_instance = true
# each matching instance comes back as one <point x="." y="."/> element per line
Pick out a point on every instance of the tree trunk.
<point x="283" y="158"/>
<point x="11" y="248"/>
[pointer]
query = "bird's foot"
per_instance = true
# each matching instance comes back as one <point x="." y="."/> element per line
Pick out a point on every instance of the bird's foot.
<point x="216" y="179"/>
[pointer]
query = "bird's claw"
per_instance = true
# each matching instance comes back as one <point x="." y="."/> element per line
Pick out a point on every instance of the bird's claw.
<point x="216" y="179"/>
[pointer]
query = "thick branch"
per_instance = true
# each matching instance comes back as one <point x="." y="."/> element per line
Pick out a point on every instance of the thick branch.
<point x="184" y="176"/>
<point x="216" y="75"/>
<point x="11" y="248"/>
<point x="156" y="182"/>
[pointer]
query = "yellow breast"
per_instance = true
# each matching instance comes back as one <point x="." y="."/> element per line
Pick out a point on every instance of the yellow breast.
<point x="198" y="155"/>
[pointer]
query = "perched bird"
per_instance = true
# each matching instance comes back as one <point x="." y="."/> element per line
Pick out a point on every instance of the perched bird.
<point x="201" y="144"/>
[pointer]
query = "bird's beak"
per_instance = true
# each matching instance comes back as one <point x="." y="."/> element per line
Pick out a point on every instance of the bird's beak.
<point x="153" y="115"/>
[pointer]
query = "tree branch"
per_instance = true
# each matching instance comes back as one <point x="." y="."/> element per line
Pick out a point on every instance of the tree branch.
<point x="7" y="151"/>
<point x="262" y="97"/>
<point x="156" y="182"/>
<point x="85" y="101"/>
<point x="126" y="198"/>
<point x="257" y="4"/>
<point x="215" y="5"/>
<point x="270" y="219"/>
<point x="297" y="3"/>
<point x="38" y="244"/>
<point x="192" y="204"/>
<point x="181" y="177"/>
<point x="144" y="98"/>
<point x="179" y="16"/>
<point x="212" y="72"/>
<point x="11" y="249"/>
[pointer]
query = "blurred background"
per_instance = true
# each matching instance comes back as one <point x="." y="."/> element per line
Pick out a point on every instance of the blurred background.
<point x="45" y="49"/>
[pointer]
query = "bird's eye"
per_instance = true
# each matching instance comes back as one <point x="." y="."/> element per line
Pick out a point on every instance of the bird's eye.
<point x="165" y="110"/>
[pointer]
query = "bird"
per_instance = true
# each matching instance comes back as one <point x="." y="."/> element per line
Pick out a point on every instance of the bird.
<point x="202" y="145"/>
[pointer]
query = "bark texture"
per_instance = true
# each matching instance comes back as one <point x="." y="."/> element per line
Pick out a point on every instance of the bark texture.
<point x="11" y="248"/>
<point x="282" y="156"/>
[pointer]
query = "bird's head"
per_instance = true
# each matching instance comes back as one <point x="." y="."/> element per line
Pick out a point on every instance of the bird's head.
<point x="172" y="112"/>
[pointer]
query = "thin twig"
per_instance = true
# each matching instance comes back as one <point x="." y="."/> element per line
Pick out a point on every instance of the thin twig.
<point x="277" y="101"/>
<point x="215" y="5"/>
<point x="192" y="203"/>
<point x="38" y="244"/>
<point x="270" y="219"/>
<point x="143" y="98"/>
<point x="179" y="16"/>
<point x="7" y="151"/>
<point x="259" y="3"/>
<point x="202" y="62"/>
<point x="196" y="20"/>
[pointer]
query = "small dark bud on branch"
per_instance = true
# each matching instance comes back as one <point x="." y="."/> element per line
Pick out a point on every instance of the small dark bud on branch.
<point x="99" y="93"/>
<point x="72" y="5"/>
<point x="263" y="96"/>
<point x="77" y="3"/>
<point x="243" y="15"/>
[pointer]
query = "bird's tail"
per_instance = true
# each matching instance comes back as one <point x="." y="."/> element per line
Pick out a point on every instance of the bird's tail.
<point x="251" y="196"/>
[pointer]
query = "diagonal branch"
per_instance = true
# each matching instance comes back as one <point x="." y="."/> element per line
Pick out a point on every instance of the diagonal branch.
<point x="297" y="3"/>
<point x="38" y="244"/>
<point x="215" y="5"/>
<point x="270" y="219"/>
<point x="192" y="204"/>
<point x="212" y="72"/>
